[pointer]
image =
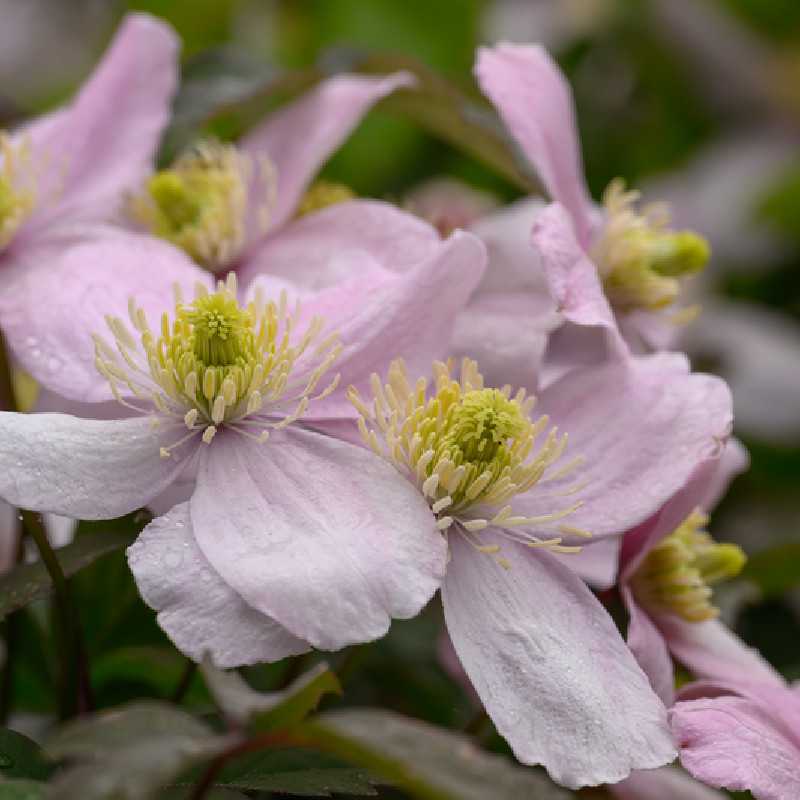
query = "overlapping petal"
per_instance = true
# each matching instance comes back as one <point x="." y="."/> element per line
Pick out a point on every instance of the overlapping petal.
<point x="83" y="468"/>
<point x="321" y="535"/>
<point x="197" y="609"/>
<point x="550" y="667"/>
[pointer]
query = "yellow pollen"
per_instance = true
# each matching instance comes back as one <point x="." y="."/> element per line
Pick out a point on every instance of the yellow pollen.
<point x="678" y="572"/>
<point x="217" y="363"/>
<point x="322" y="194"/>
<point x="17" y="187"/>
<point x="200" y="203"/>
<point x="640" y="258"/>
<point x="469" y="449"/>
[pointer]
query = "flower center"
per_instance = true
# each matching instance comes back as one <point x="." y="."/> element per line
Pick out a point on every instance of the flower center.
<point x="640" y="258"/>
<point x="218" y="363"/>
<point x="200" y="203"/>
<point x="17" y="187"/>
<point x="322" y="194"/>
<point x="469" y="449"/>
<point x="678" y="573"/>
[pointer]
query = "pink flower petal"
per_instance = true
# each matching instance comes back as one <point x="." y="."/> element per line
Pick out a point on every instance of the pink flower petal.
<point x="597" y="563"/>
<point x="299" y="138"/>
<point x="712" y="651"/>
<point x="59" y="290"/>
<point x="324" y="537"/>
<point x="733" y="743"/>
<point x="200" y="613"/>
<point x="86" y="469"/>
<point x="572" y="277"/>
<point x="322" y="249"/>
<point x="666" y="783"/>
<point x="535" y="102"/>
<point x="384" y="316"/>
<point x="550" y="667"/>
<point x="105" y="141"/>
<point x="650" y="650"/>
<point x="642" y="427"/>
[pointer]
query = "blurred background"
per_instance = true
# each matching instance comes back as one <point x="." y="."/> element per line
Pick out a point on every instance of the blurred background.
<point x="696" y="102"/>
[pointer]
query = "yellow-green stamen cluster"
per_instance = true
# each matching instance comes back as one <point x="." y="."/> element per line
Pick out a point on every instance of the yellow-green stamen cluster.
<point x="322" y="194"/>
<point x="17" y="187"/>
<point x="677" y="574"/>
<point x="640" y="258"/>
<point x="200" y="203"/>
<point x="469" y="449"/>
<point x="216" y="362"/>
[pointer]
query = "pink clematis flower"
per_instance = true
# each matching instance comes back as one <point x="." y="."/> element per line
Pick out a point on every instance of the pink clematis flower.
<point x="62" y="177"/>
<point x="666" y="567"/>
<point x="614" y="268"/>
<point x="542" y="654"/>
<point x="741" y="734"/>
<point x="278" y="536"/>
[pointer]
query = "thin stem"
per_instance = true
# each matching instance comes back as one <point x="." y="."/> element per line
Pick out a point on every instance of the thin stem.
<point x="12" y="631"/>
<point x="75" y="688"/>
<point x="7" y="399"/>
<point x="189" y="671"/>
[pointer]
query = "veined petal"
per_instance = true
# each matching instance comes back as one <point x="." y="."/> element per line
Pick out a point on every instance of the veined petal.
<point x="535" y="102"/>
<point x="407" y="316"/>
<point x="58" y="292"/>
<point x="572" y="277"/>
<point x="104" y="142"/>
<point x="597" y="563"/>
<point x="325" y="248"/>
<point x="200" y="613"/>
<point x="666" y="783"/>
<point x="550" y="667"/>
<point x="650" y="650"/>
<point x="299" y="138"/>
<point x="641" y="428"/>
<point x="321" y="535"/>
<point x="733" y="743"/>
<point x="84" y="468"/>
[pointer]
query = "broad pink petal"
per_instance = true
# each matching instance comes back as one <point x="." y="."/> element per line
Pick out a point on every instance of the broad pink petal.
<point x="299" y="138"/>
<point x="535" y="102"/>
<point x="666" y="783"/>
<point x="734" y="743"/>
<point x="407" y="316"/>
<point x="572" y="277"/>
<point x="642" y="427"/>
<point x="86" y="469"/>
<point x="711" y="651"/>
<point x="200" y="613"/>
<point x="322" y="249"/>
<point x="324" y="537"/>
<point x="733" y="462"/>
<point x="597" y="563"/>
<point x="550" y="667"/>
<point x="105" y="141"/>
<point x="649" y="648"/>
<point x="59" y="290"/>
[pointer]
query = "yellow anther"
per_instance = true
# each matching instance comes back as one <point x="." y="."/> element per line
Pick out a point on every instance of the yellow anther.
<point x="639" y="257"/>
<point x="17" y="187"/>
<point x="200" y="203"/>
<point x="678" y="573"/>
<point x="322" y="194"/>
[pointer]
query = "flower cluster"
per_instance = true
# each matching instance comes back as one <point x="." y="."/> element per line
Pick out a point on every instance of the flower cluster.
<point x="337" y="407"/>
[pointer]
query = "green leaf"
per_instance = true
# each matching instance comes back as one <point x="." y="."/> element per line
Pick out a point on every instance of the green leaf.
<point x="28" y="582"/>
<point x="270" y="710"/>
<point x="22" y="790"/>
<point x="21" y="757"/>
<point x="185" y="793"/>
<point x="430" y="763"/>
<point x="130" y="752"/>
<point x="447" y="112"/>
<point x="776" y="570"/>
<point x="295" y="771"/>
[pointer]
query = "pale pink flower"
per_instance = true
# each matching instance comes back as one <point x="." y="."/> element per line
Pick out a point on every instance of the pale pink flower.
<point x="741" y="734"/>
<point x="542" y="654"/>
<point x="270" y="547"/>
